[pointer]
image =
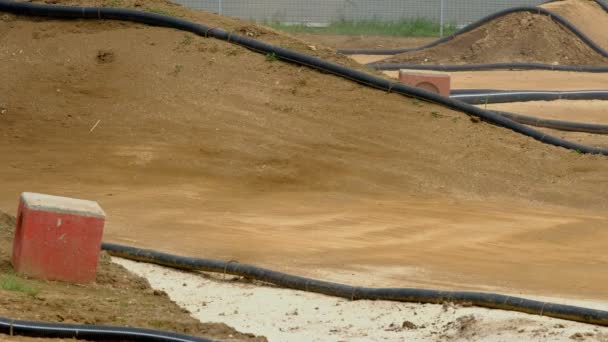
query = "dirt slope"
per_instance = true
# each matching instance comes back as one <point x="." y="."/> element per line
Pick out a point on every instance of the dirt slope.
<point x="587" y="16"/>
<point x="160" y="94"/>
<point x="199" y="147"/>
<point x="517" y="37"/>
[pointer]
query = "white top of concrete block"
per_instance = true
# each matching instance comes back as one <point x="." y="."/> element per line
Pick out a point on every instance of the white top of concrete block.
<point x="60" y="204"/>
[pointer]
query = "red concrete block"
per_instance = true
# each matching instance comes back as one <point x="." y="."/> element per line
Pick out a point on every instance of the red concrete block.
<point x="58" y="238"/>
<point x="434" y="81"/>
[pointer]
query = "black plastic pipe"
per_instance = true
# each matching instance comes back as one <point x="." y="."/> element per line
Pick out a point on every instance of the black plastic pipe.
<point x="481" y="299"/>
<point x="536" y="10"/>
<point x="560" y="125"/>
<point x="90" y="332"/>
<point x="33" y="9"/>
<point x="488" y="66"/>
<point x="487" y="96"/>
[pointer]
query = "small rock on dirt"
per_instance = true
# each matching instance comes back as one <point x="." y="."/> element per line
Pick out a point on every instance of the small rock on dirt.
<point x="105" y="56"/>
<point x="408" y="325"/>
<point x="577" y="336"/>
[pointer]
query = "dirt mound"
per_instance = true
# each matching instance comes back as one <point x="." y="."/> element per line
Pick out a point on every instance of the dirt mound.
<point x="239" y="26"/>
<point x="587" y="16"/>
<point x="517" y="37"/>
<point x="116" y="298"/>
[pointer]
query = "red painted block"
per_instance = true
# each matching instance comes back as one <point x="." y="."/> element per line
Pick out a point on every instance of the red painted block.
<point x="58" y="238"/>
<point x="434" y="81"/>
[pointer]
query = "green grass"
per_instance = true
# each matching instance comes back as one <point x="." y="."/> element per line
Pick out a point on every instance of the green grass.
<point x="11" y="282"/>
<point x="271" y="57"/>
<point x="187" y="40"/>
<point x="406" y="27"/>
<point x="177" y="69"/>
<point x="160" y="11"/>
<point x="436" y="114"/>
<point x="116" y="3"/>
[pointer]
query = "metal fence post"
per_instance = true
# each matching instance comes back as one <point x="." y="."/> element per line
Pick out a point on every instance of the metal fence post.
<point x="219" y="7"/>
<point x="441" y="19"/>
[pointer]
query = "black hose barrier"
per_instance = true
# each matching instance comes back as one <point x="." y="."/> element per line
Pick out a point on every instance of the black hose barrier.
<point x="561" y="125"/>
<point x="488" y="66"/>
<point x="90" y="332"/>
<point x="601" y="3"/>
<point x="535" y="10"/>
<point x="486" y="300"/>
<point x="487" y="96"/>
<point x="33" y="9"/>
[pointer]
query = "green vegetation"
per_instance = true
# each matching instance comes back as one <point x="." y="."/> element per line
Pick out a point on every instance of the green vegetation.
<point x="187" y="39"/>
<point x="160" y="11"/>
<point x="419" y="27"/>
<point x="115" y="3"/>
<point x="177" y="69"/>
<point x="271" y="57"/>
<point x="436" y="114"/>
<point x="11" y="282"/>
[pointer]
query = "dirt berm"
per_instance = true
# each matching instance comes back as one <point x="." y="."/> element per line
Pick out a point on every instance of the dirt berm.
<point x="587" y="16"/>
<point x="515" y="38"/>
<point x="203" y="148"/>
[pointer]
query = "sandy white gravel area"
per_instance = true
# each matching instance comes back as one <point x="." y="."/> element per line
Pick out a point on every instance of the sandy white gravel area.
<point x="288" y="315"/>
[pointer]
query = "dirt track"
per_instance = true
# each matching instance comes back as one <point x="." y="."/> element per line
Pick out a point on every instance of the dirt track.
<point x="527" y="80"/>
<point x="587" y="16"/>
<point x="578" y="111"/>
<point x="285" y="167"/>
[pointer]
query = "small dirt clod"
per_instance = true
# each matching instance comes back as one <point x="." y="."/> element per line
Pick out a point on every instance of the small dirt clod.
<point x="105" y="56"/>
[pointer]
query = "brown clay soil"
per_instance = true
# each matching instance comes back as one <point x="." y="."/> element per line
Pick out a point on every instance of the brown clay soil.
<point x="517" y="37"/>
<point x="202" y="148"/>
<point x="587" y="16"/>
<point x="579" y="111"/>
<point x="116" y="298"/>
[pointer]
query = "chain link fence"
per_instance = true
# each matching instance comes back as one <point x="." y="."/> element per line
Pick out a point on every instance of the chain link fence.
<point x="325" y="12"/>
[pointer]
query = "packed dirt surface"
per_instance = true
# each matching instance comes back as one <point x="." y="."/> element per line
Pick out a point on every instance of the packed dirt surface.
<point x="517" y="37"/>
<point x="299" y="316"/>
<point x="117" y="298"/>
<point x="524" y="80"/>
<point x="198" y="147"/>
<point x="577" y="111"/>
<point x="363" y="42"/>
<point x="589" y="17"/>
